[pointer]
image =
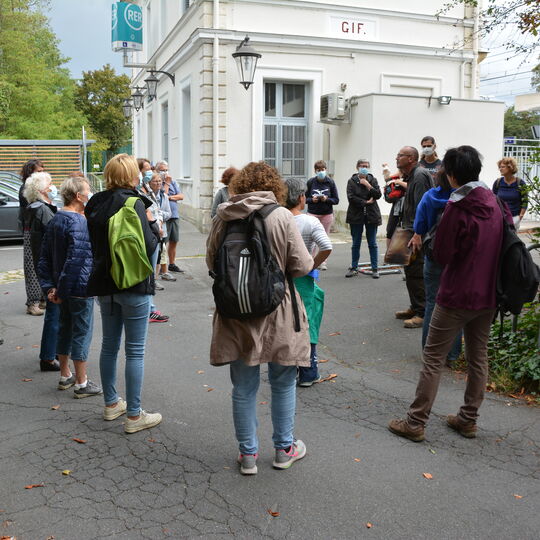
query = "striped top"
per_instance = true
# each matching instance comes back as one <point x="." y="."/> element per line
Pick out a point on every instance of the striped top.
<point x="312" y="232"/>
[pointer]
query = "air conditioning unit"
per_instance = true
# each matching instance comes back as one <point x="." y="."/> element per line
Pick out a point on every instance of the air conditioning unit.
<point x="333" y="108"/>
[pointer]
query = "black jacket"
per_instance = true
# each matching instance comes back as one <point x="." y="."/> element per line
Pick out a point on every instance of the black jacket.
<point x="326" y="187"/>
<point x="98" y="211"/>
<point x="418" y="182"/>
<point x="36" y="217"/>
<point x="358" y="211"/>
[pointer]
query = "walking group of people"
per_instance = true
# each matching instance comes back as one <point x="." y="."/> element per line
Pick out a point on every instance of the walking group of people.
<point x="73" y="265"/>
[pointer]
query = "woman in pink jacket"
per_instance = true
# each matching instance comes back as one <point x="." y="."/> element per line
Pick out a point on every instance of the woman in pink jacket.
<point x="271" y="339"/>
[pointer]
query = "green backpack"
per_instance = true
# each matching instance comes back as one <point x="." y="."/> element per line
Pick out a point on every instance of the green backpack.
<point x="129" y="262"/>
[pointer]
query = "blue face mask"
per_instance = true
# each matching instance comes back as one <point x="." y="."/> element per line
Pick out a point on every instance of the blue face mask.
<point x="321" y="175"/>
<point x="53" y="192"/>
<point x="148" y="174"/>
<point x="363" y="170"/>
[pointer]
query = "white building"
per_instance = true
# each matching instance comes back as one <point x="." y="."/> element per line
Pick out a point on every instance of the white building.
<point x="390" y="60"/>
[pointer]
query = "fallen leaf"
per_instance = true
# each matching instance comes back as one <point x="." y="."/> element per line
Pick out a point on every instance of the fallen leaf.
<point x="35" y="346"/>
<point x="335" y="334"/>
<point x="518" y="496"/>
<point x="272" y="513"/>
<point x="427" y="475"/>
<point x="200" y="372"/>
<point x="55" y="407"/>
<point x="66" y="472"/>
<point x="50" y="537"/>
<point x="8" y="538"/>
<point x="356" y="435"/>
<point x="514" y="396"/>
<point x="330" y="377"/>
<point x="226" y="467"/>
<point x="80" y="441"/>
<point x="323" y="360"/>
<point x="18" y="347"/>
<point x="395" y="371"/>
<point x="26" y="380"/>
<point x="32" y="486"/>
<point x="209" y="389"/>
<point x="387" y="329"/>
<point x="205" y="386"/>
<point x="432" y="451"/>
<point x="369" y="525"/>
<point x="7" y="523"/>
<point x="263" y="402"/>
<point x="359" y="307"/>
<point x="358" y="460"/>
<point x="151" y="440"/>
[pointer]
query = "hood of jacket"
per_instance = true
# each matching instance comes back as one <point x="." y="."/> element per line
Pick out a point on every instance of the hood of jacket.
<point x="438" y="197"/>
<point x="241" y="206"/>
<point x="476" y="199"/>
<point x="104" y="204"/>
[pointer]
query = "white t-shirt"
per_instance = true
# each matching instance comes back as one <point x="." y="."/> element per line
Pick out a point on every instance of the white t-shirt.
<point x="312" y="232"/>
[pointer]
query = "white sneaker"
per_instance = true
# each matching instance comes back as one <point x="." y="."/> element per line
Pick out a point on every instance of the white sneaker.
<point x="323" y="266"/>
<point x="110" y="413"/>
<point x="145" y="421"/>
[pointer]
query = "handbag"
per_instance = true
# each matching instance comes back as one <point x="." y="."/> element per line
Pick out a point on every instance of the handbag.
<point x="398" y="251"/>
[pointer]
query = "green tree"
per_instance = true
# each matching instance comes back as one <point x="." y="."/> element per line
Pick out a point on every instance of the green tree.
<point x="519" y="124"/>
<point x="99" y="96"/>
<point x="36" y="92"/>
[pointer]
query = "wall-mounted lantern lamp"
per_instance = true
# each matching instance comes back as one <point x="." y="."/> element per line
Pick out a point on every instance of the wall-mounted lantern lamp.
<point x="152" y="82"/>
<point x="138" y="98"/>
<point x="444" y="100"/>
<point x="127" y="107"/>
<point x="246" y="58"/>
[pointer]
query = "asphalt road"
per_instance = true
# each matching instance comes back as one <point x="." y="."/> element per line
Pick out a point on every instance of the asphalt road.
<point x="180" y="479"/>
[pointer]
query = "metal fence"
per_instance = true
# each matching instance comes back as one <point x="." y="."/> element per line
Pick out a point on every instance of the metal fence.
<point x="525" y="152"/>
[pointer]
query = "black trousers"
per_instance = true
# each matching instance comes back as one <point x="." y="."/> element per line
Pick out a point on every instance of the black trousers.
<point x="414" y="278"/>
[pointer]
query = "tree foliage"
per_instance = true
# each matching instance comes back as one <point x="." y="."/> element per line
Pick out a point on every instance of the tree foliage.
<point x="36" y="92"/>
<point x="519" y="124"/>
<point x="99" y="96"/>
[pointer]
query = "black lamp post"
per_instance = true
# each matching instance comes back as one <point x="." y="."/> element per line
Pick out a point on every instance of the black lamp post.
<point x="246" y="58"/>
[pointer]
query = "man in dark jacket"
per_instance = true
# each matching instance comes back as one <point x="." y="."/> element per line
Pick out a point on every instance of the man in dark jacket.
<point x="418" y="182"/>
<point x="468" y="244"/>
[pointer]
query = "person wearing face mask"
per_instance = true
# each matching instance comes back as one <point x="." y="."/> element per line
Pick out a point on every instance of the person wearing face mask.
<point x="363" y="211"/>
<point x="39" y="191"/>
<point x="63" y="270"/>
<point x="430" y="160"/>
<point x="321" y="196"/>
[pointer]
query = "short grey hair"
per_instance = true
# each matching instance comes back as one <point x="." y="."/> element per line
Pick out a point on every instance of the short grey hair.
<point x="159" y="164"/>
<point x="34" y="185"/>
<point x="295" y="188"/>
<point x="71" y="186"/>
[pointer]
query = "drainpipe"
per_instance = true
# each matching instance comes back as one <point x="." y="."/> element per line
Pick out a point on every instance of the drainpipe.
<point x="475" y="46"/>
<point x="215" y="99"/>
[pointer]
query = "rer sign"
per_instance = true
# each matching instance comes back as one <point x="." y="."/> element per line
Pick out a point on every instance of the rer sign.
<point x="126" y="26"/>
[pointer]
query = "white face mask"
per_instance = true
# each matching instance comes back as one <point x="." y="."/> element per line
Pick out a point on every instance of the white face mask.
<point x="428" y="150"/>
<point x="53" y="192"/>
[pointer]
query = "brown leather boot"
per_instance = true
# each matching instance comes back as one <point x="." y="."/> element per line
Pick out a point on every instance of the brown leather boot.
<point x="465" y="430"/>
<point x="407" y="314"/>
<point x="414" y="322"/>
<point x="403" y="429"/>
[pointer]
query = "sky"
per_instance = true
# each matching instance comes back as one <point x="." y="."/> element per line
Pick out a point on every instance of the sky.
<point x="84" y="30"/>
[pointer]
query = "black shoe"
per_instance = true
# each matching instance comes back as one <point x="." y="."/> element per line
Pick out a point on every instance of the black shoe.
<point x="174" y="268"/>
<point x="89" y="390"/>
<point x="49" y="366"/>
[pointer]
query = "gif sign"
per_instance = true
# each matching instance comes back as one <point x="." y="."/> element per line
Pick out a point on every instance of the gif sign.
<point x="126" y="26"/>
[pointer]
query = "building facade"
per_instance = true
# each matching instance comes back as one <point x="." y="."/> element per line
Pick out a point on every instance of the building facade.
<point x="388" y="62"/>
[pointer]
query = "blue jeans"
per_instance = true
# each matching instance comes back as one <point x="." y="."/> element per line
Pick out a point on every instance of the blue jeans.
<point x="49" y="334"/>
<point x="76" y="327"/>
<point x="306" y="374"/>
<point x="153" y="262"/>
<point x="129" y="311"/>
<point x="245" y="380"/>
<point x="432" y="278"/>
<point x="371" y="235"/>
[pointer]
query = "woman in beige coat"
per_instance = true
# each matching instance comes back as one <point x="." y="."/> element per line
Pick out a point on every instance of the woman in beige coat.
<point x="247" y="344"/>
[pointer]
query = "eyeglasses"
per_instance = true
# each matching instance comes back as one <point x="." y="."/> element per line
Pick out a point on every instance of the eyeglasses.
<point x="401" y="155"/>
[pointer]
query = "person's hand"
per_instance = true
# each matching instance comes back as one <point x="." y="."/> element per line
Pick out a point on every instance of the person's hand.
<point x="415" y="243"/>
<point x="323" y="198"/>
<point x="370" y="201"/>
<point x="315" y="198"/>
<point x="364" y="182"/>
<point x="149" y="215"/>
<point x="400" y="183"/>
<point x="52" y="297"/>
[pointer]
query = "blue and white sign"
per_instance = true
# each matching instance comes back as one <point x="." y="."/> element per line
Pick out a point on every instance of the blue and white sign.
<point x="126" y="26"/>
<point x="509" y="140"/>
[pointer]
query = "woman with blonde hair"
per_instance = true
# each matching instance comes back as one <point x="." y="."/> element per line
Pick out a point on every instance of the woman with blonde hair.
<point x="126" y="309"/>
<point x="511" y="189"/>
<point x="39" y="192"/>
<point x="271" y="339"/>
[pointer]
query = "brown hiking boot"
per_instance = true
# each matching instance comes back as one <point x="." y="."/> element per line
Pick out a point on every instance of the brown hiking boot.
<point x="414" y="322"/>
<point x="403" y="429"/>
<point x="408" y="313"/>
<point x="465" y="430"/>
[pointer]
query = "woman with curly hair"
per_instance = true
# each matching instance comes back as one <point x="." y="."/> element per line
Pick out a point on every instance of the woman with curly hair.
<point x="511" y="189"/>
<point x="271" y="339"/>
<point x="222" y="195"/>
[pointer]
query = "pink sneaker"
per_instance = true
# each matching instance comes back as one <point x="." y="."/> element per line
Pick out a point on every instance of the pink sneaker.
<point x="248" y="463"/>
<point x="284" y="459"/>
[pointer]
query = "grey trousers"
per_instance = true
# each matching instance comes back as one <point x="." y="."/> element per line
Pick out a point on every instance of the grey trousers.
<point x="445" y="325"/>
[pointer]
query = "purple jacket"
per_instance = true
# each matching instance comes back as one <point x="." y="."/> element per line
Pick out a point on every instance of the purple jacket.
<point x="468" y="244"/>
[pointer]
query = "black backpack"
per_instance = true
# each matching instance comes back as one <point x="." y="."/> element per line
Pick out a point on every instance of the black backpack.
<point x="248" y="281"/>
<point x="518" y="276"/>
